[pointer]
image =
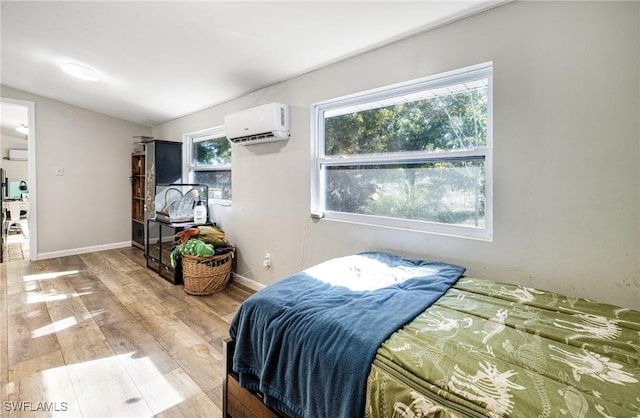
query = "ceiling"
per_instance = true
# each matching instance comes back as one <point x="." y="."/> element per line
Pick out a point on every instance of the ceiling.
<point x="14" y="116"/>
<point x="160" y="60"/>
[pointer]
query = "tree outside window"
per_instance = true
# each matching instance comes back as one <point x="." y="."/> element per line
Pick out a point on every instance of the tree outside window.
<point x="418" y="152"/>
<point x="210" y="162"/>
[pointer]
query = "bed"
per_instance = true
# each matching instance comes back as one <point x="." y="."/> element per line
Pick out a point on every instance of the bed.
<point x="379" y="335"/>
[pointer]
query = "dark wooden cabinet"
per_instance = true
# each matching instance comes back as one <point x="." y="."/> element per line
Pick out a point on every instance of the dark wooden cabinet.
<point x="159" y="162"/>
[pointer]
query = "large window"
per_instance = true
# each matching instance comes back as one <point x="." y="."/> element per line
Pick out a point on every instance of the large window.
<point x="209" y="161"/>
<point x="415" y="156"/>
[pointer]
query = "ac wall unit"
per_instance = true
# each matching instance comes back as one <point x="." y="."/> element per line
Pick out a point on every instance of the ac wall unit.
<point x="266" y="123"/>
<point x="18" y="154"/>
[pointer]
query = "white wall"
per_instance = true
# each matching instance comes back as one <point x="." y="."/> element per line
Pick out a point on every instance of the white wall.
<point x="566" y="153"/>
<point x="89" y="207"/>
<point x="15" y="170"/>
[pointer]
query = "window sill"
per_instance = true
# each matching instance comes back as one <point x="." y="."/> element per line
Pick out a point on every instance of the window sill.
<point x="431" y="228"/>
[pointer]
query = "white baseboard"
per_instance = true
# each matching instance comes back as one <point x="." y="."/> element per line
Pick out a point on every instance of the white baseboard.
<point x="251" y="284"/>
<point x="84" y="250"/>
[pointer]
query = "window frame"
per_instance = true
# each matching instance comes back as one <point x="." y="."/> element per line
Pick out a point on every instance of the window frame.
<point x="320" y="161"/>
<point x="189" y="169"/>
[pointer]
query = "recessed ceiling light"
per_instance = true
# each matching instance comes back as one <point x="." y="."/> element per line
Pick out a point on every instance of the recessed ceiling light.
<point x="80" y="71"/>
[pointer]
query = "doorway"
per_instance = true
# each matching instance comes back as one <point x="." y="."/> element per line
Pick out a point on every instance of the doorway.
<point x="19" y="241"/>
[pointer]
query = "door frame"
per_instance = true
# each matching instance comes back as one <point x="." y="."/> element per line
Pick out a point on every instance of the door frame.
<point x="31" y="172"/>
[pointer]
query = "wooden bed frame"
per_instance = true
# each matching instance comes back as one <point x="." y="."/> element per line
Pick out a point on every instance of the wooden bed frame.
<point x="238" y="402"/>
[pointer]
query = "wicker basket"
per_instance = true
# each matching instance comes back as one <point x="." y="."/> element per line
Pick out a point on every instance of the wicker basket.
<point x="206" y="275"/>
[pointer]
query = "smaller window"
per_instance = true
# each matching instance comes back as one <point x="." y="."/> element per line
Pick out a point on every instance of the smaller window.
<point x="209" y="161"/>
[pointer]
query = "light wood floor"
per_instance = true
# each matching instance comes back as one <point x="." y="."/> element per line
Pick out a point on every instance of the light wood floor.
<point x="17" y="247"/>
<point x="100" y="335"/>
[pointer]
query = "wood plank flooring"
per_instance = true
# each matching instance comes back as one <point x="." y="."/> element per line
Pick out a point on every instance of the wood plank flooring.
<point x="17" y="246"/>
<point x="100" y="335"/>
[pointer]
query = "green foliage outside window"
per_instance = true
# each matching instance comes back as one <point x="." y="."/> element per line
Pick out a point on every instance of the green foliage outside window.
<point x="214" y="151"/>
<point x="440" y="189"/>
<point x="455" y="121"/>
<point x="211" y="165"/>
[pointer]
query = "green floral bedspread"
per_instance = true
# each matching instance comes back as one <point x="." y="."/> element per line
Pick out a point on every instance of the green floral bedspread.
<point x="494" y="349"/>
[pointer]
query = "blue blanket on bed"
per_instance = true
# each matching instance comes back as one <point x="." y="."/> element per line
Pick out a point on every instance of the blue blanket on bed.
<point x="307" y="341"/>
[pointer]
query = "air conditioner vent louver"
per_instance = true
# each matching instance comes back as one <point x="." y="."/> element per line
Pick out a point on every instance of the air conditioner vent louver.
<point x="255" y="138"/>
<point x="266" y="123"/>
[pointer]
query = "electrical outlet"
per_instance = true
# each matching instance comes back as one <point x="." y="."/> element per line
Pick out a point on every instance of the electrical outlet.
<point x="266" y="261"/>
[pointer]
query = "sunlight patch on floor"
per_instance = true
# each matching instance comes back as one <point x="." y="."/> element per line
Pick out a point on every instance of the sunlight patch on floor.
<point x="48" y="276"/>
<point x="168" y="390"/>
<point x="108" y="387"/>
<point x="54" y="327"/>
